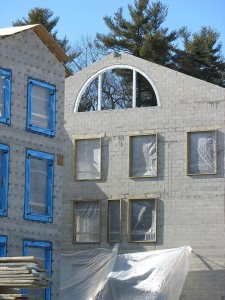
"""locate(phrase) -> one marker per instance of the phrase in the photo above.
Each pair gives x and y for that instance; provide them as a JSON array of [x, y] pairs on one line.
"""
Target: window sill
[[40, 218], [44, 131], [5, 120]]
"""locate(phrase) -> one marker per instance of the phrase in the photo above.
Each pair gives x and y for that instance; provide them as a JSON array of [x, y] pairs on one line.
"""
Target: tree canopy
[[144, 36], [45, 16], [201, 56]]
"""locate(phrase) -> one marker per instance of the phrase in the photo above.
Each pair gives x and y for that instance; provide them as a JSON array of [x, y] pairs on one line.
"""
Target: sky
[[85, 17]]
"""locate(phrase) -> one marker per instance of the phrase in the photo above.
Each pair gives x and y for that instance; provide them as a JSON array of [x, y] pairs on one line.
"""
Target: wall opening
[[117, 87]]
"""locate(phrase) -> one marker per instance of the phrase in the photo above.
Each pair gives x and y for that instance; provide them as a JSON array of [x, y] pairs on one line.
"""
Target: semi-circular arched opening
[[117, 87]]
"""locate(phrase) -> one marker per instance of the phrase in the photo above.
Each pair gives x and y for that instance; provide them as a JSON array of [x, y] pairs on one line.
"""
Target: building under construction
[[133, 154]]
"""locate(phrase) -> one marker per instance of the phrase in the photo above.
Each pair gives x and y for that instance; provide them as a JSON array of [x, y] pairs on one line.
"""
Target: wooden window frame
[[75, 157], [108, 233], [187, 151], [129, 219], [74, 221], [130, 155]]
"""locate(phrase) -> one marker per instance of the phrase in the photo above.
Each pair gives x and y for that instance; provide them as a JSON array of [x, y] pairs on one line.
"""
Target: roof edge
[[43, 34]]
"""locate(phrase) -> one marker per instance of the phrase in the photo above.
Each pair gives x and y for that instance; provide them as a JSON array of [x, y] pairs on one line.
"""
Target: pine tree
[[45, 16], [142, 35], [201, 56]]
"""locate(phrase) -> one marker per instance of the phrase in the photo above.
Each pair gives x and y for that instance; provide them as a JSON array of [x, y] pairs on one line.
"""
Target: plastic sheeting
[[143, 220], [38, 186], [143, 156], [40, 106], [88, 159], [2, 89], [102, 274], [87, 222], [114, 220], [84, 274], [202, 152]]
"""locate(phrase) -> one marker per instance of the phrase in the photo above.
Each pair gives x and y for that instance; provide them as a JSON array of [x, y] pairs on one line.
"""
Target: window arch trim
[[100, 72]]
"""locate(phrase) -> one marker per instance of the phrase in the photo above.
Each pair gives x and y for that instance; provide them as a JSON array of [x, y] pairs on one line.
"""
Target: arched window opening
[[145, 95], [89, 99], [116, 88]]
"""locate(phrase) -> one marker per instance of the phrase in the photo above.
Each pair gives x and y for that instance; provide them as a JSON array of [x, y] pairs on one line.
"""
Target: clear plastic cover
[[114, 221], [202, 152], [38, 186], [102, 274], [142, 220], [84, 274], [87, 222], [88, 159], [40, 106], [2, 89], [143, 156]]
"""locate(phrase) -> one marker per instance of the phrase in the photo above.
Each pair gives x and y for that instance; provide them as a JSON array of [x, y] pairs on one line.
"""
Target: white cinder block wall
[[26, 56], [190, 208]]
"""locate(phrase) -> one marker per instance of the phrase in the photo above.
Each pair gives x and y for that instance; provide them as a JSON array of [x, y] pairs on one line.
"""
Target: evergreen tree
[[142, 35], [45, 16], [201, 56]]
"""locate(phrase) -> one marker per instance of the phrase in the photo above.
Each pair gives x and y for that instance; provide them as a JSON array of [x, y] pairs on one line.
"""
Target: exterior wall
[[190, 208], [26, 56]]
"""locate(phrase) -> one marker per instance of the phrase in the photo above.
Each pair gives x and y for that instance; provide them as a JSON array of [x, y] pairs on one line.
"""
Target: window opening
[[3, 245], [87, 222], [117, 88], [5, 96], [202, 153], [43, 252], [89, 99], [143, 156], [88, 159], [145, 95], [41, 107], [142, 227], [39, 185], [4, 177], [114, 220]]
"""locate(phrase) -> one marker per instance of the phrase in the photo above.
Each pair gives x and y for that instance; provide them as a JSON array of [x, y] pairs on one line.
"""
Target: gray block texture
[[190, 209], [27, 56]]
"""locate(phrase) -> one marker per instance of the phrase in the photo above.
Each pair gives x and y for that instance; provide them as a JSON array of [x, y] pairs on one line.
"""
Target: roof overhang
[[46, 38]]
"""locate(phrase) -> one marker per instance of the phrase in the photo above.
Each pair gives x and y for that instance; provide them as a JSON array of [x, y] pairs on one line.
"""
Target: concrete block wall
[[26, 56], [190, 208]]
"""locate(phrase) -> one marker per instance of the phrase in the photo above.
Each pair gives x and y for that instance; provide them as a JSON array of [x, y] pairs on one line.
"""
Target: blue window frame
[[42, 251], [4, 178], [39, 186], [3, 245], [41, 100], [5, 95]]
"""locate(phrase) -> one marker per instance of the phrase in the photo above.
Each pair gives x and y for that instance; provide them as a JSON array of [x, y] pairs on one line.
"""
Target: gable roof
[[44, 35]]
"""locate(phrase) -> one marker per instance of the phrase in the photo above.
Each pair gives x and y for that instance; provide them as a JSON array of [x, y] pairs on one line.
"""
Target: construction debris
[[20, 272], [15, 297]]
